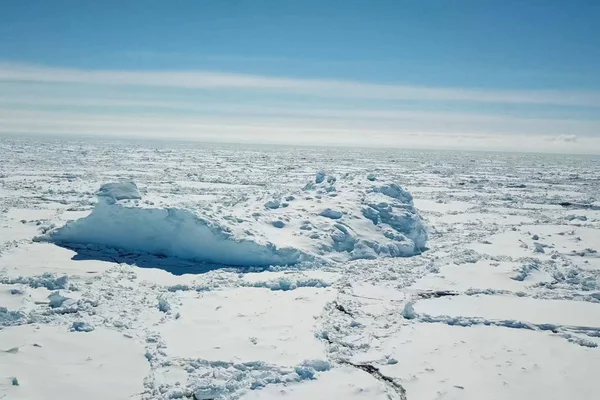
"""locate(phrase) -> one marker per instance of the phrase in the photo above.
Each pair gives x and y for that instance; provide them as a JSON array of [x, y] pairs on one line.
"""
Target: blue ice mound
[[169, 232], [113, 192]]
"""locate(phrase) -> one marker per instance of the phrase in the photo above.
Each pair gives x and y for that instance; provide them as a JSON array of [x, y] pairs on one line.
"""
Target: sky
[[456, 74]]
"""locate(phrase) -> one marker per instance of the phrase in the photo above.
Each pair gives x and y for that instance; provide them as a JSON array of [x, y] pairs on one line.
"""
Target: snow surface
[[506, 364], [257, 272], [244, 325], [50, 362]]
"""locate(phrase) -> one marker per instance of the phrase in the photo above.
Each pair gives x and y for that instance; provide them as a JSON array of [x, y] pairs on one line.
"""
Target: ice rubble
[[329, 220], [119, 191]]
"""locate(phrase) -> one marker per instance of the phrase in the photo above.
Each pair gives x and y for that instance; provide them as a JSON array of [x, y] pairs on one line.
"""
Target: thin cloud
[[233, 108], [330, 88], [565, 138]]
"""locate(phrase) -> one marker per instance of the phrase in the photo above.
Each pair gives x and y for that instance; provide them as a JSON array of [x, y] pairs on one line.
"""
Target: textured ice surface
[[169, 232], [248, 324], [507, 363], [480, 314], [54, 363], [364, 221], [116, 191]]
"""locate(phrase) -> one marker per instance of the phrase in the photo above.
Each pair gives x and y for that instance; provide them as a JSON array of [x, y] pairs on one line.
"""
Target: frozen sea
[[159, 270]]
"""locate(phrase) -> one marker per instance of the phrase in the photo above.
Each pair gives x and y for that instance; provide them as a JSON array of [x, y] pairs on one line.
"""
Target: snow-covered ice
[[115, 191], [362, 221], [168, 232], [502, 307], [248, 324], [496, 363], [341, 383], [51, 362], [157, 270]]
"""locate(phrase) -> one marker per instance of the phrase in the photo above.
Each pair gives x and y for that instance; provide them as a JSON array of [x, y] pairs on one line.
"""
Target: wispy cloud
[[205, 79], [401, 121], [565, 138], [270, 110]]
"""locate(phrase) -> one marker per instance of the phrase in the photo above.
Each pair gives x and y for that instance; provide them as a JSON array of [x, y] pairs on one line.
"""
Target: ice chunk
[[539, 248], [119, 191], [81, 326], [320, 177], [329, 213], [409, 310], [163, 305], [178, 287], [371, 214], [285, 284], [8, 318], [402, 220], [272, 204], [210, 393], [396, 192], [56, 299], [317, 365], [47, 280], [342, 238], [278, 224]]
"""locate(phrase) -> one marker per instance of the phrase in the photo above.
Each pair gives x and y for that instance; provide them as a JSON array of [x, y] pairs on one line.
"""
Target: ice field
[[157, 270]]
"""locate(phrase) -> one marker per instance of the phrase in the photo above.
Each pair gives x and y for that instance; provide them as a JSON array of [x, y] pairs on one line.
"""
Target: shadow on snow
[[173, 265]]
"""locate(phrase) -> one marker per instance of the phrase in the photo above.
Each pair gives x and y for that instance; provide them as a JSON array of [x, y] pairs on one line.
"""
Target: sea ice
[[479, 314], [116, 191], [377, 221]]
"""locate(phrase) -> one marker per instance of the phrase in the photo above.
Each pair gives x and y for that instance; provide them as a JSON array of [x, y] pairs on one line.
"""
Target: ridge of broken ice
[[116, 191], [329, 220]]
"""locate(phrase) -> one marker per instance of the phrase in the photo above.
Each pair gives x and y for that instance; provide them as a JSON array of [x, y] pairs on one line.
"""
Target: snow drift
[[329, 220]]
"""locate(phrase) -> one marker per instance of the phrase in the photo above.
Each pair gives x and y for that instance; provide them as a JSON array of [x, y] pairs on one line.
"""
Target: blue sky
[[454, 74]]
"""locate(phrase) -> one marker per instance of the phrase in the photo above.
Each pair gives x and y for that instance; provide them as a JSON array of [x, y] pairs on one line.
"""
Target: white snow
[[491, 362], [45, 258], [248, 324], [484, 274], [53, 363]]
